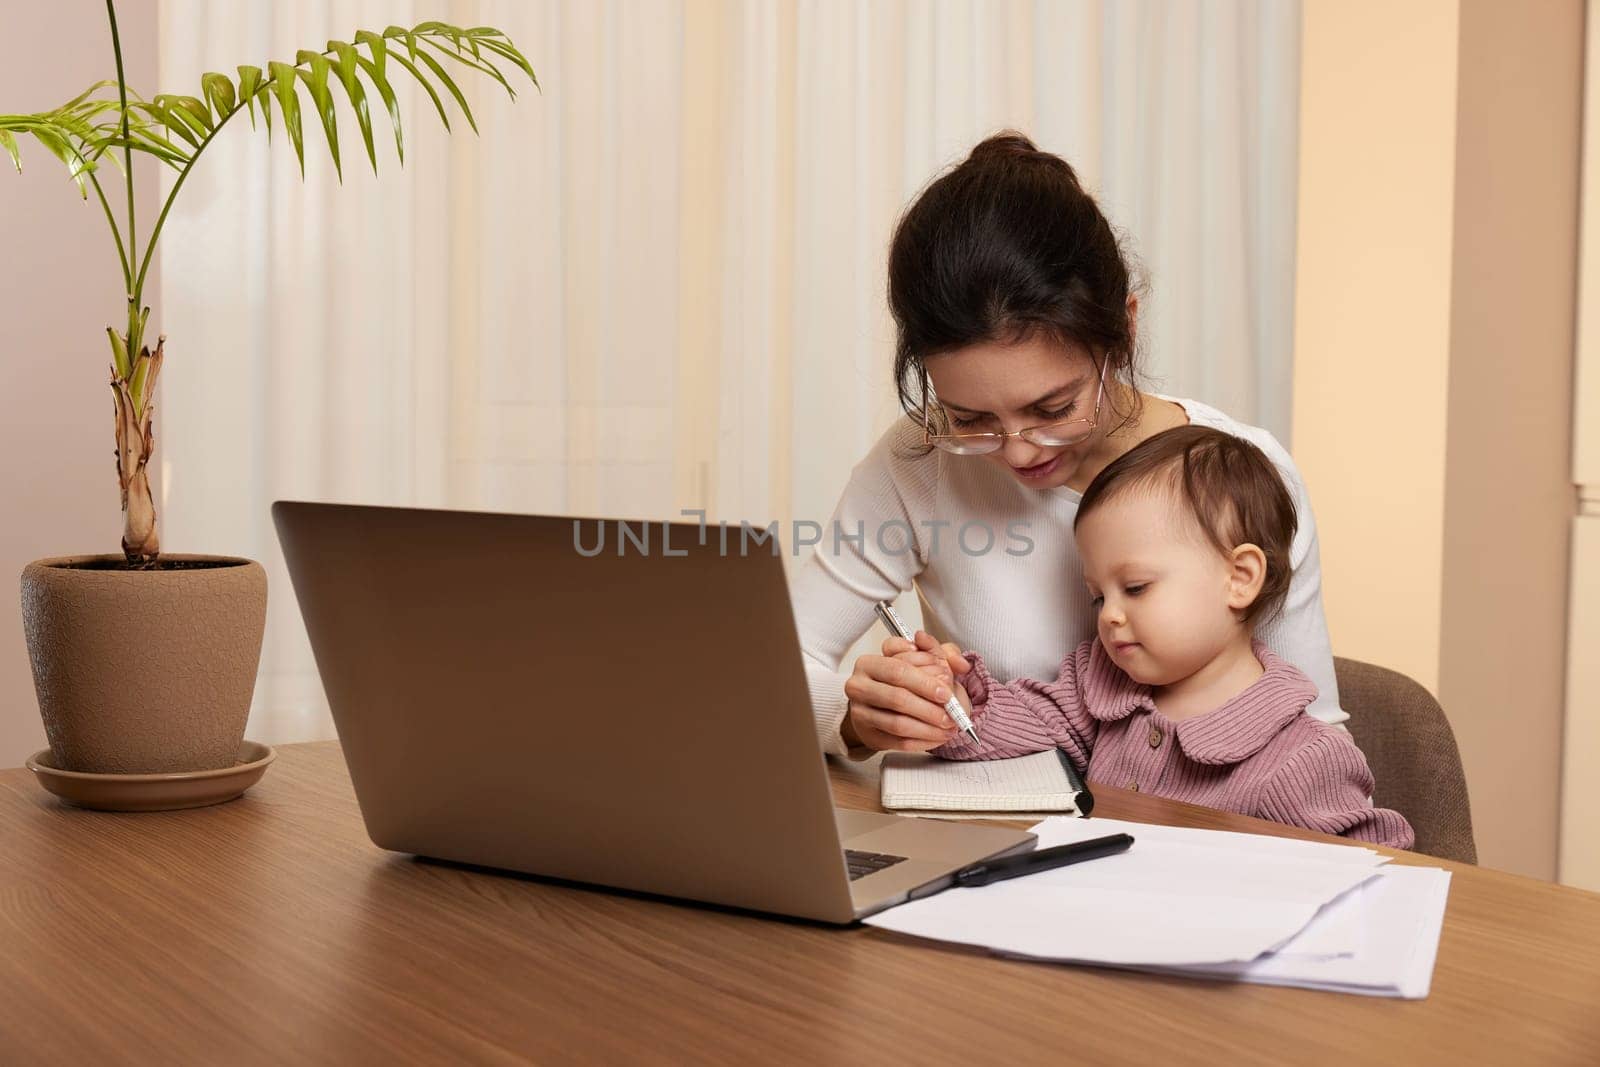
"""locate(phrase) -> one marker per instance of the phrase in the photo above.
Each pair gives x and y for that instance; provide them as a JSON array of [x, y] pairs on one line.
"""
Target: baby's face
[[1160, 587]]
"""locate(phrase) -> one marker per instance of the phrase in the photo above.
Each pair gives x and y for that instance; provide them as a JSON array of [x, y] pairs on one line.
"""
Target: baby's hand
[[951, 652], [927, 650], [944, 662]]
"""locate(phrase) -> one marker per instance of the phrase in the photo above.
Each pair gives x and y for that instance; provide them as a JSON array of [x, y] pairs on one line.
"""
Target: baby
[[1185, 545]]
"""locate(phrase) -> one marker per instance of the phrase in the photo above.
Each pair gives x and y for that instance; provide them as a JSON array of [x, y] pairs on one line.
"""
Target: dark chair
[[1408, 743]]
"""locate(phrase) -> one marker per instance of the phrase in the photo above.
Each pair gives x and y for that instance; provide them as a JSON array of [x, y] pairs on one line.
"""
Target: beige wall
[[1580, 778], [1508, 479], [1433, 361], [60, 286], [1372, 315], [1580, 775]]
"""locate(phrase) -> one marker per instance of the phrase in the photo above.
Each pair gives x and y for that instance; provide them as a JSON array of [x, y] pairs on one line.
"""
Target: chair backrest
[[1408, 743]]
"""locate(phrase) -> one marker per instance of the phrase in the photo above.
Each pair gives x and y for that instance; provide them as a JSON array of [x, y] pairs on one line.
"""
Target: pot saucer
[[154, 792]]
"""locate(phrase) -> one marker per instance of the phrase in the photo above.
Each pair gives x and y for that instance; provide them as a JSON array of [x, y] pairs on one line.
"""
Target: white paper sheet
[[1178, 897], [1402, 912], [1209, 904]]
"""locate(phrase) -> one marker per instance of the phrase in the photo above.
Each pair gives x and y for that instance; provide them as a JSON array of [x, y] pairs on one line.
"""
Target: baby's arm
[[1325, 787], [1021, 717]]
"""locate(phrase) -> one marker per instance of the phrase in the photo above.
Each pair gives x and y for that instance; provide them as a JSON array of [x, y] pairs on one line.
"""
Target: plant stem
[[134, 290], [183, 176], [127, 151], [122, 254]]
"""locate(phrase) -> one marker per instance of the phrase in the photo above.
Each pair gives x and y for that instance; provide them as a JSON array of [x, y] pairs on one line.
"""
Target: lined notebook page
[[1026, 783]]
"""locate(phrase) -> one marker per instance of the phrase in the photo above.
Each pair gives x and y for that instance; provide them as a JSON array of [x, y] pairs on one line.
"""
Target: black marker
[[1044, 859]]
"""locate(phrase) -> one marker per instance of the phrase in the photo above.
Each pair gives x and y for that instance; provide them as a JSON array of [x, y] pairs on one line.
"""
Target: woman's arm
[[871, 550]]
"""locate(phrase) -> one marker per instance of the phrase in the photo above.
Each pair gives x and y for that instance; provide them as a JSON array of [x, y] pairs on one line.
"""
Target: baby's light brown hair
[[1228, 486]]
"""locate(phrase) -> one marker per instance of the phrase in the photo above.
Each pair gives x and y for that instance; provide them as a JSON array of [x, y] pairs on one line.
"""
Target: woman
[[1015, 364]]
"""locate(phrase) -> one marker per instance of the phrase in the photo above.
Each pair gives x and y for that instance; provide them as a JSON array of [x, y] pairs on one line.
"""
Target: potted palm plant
[[145, 663]]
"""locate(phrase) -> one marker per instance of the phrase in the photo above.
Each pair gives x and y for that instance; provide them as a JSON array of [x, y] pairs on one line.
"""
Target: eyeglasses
[[1048, 435]]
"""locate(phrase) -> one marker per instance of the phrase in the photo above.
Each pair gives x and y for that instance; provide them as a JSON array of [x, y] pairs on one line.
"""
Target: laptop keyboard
[[861, 864]]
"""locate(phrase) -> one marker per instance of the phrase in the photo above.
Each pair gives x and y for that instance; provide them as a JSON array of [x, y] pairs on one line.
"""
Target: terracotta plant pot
[[144, 672]]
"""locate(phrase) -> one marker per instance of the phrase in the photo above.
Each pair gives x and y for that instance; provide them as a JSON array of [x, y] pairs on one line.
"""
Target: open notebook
[[1042, 782]]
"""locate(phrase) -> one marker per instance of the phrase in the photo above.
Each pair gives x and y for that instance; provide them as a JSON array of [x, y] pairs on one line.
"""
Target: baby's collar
[[1233, 732]]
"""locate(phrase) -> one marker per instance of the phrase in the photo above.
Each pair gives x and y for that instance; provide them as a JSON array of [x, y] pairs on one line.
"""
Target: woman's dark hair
[[1004, 247], [1228, 485]]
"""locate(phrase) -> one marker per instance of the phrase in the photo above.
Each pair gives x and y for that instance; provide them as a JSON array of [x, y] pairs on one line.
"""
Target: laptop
[[622, 704]]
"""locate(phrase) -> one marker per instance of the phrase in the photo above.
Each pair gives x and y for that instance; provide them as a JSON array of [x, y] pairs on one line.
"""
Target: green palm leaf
[[376, 71], [175, 129], [475, 62], [438, 105], [61, 148], [348, 68], [145, 139], [68, 136], [316, 80], [496, 42], [218, 91], [283, 79], [158, 113], [386, 93], [249, 83], [451, 87]]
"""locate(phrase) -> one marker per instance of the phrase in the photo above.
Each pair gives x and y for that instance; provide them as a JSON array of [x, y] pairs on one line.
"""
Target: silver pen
[[891, 620]]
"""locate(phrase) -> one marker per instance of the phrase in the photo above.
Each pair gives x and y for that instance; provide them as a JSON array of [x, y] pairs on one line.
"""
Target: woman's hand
[[897, 698]]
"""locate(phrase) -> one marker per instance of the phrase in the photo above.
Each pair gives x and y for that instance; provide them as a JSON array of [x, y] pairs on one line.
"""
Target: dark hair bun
[[1005, 246], [1010, 147], [1006, 142]]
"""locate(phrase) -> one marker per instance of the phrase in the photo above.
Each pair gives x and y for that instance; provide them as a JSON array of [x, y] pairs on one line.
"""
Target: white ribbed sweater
[[1022, 607]]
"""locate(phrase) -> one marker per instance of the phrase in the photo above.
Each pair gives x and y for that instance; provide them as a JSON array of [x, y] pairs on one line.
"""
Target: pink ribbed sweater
[[1259, 754]]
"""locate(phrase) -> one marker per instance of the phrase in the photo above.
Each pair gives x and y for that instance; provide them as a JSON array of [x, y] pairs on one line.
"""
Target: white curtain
[[659, 283]]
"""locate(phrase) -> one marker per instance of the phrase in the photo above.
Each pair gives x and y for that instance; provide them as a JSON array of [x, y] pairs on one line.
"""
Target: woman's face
[[995, 388]]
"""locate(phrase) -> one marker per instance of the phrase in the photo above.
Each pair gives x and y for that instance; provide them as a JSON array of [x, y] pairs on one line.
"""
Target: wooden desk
[[271, 930]]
